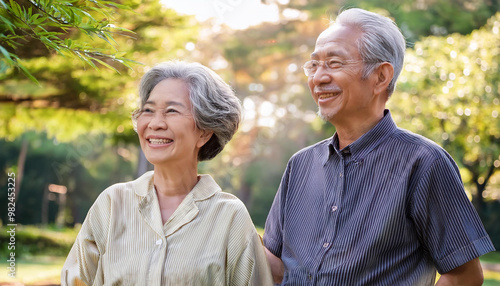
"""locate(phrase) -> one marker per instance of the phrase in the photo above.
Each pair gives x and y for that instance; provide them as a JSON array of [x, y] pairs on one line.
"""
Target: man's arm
[[469, 274], [277, 267]]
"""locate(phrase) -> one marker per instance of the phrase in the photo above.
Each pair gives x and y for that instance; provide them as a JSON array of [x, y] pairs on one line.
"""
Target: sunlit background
[[70, 136]]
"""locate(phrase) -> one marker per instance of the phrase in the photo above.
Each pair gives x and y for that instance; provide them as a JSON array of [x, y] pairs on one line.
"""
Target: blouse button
[[158, 242]]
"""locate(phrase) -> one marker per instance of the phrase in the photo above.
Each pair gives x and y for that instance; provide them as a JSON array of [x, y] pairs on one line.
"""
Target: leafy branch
[[53, 23]]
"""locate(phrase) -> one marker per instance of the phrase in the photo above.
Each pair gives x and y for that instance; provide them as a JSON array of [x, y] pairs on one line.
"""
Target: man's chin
[[324, 116]]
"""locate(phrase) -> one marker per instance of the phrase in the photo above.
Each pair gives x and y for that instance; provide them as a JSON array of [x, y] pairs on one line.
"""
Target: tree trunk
[[245, 193], [479, 200], [45, 207], [143, 166], [20, 166]]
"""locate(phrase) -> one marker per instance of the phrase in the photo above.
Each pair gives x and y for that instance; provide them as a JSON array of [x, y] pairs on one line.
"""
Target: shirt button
[[334, 208], [325, 245], [341, 175], [158, 242]]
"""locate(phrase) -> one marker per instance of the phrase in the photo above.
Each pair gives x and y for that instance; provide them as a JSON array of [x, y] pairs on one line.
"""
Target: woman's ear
[[205, 135], [384, 73]]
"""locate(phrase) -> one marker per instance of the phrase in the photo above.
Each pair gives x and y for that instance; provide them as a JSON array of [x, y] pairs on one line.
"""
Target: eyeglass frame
[[335, 60]]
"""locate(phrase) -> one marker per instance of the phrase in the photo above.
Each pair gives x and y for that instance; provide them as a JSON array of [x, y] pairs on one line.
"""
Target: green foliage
[[416, 19], [86, 167], [53, 24], [31, 240], [490, 216], [492, 257], [449, 92], [72, 99]]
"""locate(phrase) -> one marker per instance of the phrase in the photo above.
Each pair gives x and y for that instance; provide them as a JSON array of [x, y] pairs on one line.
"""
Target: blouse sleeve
[[83, 262], [80, 267], [247, 262]]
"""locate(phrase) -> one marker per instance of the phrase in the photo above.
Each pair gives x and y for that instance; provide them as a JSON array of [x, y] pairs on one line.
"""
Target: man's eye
[[314, 64], [332, 63]]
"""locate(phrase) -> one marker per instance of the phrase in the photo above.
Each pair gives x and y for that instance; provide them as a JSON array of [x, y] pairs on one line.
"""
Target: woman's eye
[[170, 110], [147, 110]]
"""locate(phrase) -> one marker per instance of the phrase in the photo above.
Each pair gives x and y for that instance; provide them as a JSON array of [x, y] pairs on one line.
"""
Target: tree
[[28, 26], [73, 102], [449, 92], [71, 99]]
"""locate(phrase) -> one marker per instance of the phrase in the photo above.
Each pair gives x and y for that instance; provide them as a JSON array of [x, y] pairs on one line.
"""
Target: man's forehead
[[336, 40], [338, 31]]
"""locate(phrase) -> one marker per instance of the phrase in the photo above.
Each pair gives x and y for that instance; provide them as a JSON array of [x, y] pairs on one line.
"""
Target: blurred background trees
[[76, 122]]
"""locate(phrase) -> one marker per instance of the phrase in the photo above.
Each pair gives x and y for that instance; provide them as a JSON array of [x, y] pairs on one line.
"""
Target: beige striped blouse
[[209, 240]]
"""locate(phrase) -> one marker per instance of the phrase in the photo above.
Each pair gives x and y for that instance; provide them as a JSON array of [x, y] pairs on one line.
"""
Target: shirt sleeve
[[80, 266], [83, 262], [446, 221], [273, 234], [246, 258]]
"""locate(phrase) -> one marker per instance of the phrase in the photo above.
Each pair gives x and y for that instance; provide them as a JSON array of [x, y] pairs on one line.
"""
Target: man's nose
[[321, 75]]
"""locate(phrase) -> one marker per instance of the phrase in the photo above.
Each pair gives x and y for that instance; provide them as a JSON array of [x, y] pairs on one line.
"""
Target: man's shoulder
[[318, 148], [415, 142]]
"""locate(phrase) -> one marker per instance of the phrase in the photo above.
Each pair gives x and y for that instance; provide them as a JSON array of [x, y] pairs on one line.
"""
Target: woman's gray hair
[[381, 41], [215, 107]]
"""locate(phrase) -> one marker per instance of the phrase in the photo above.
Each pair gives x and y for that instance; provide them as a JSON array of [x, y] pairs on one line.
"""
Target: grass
[[40, 254], [36, 270], [492, 257], [32, 241]]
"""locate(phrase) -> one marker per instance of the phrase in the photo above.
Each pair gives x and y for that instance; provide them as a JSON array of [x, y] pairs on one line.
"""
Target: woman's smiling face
[[166, 127]]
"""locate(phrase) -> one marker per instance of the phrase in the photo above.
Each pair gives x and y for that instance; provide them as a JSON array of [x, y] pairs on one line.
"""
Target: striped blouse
[[389, 209], [208, 240]]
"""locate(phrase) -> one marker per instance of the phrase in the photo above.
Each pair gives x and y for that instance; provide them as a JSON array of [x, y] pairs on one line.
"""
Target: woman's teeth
[[159, 141]]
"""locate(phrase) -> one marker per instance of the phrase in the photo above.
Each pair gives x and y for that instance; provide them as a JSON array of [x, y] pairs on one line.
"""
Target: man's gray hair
[[381, 41], [215, 107]]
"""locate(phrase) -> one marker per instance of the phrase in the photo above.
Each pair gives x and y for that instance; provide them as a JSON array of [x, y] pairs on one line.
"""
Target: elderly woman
[[172, 226]]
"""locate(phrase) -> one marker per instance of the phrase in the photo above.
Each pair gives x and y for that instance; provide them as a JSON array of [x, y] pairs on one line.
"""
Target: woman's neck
[[175, 181], [172, 186]]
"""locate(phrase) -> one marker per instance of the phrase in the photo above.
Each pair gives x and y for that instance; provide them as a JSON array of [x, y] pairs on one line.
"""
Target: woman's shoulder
[[125, 190], [224, 198]]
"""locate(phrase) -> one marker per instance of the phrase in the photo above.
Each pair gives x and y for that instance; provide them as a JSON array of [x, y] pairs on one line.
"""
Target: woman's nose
[[158, 122]]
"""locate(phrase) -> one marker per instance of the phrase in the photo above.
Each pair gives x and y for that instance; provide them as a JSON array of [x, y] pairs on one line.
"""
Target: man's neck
[[351, 130]]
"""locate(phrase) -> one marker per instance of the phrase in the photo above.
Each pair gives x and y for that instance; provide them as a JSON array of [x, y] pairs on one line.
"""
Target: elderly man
[[374, 204]]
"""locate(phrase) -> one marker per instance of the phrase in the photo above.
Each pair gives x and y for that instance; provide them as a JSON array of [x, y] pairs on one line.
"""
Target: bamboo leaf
[[27, 73]]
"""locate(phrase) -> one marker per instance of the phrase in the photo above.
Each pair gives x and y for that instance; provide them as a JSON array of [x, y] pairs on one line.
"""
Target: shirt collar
[[367, 142], [204, 189]]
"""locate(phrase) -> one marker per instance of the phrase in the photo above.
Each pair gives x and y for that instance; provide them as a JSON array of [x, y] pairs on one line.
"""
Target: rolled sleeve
[[447, 223]]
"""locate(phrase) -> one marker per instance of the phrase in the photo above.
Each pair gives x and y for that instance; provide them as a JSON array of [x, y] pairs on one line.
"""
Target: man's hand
[[277, 267], [469, 274]]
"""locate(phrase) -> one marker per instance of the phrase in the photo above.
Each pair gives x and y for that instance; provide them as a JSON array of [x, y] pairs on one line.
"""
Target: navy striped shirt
[[389, 209]]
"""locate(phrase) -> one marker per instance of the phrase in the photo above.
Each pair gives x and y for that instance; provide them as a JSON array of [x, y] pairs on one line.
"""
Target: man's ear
[[384, 74], [205, 135]]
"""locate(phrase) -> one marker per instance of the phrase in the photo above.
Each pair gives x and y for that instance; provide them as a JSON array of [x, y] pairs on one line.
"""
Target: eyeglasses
[[312, 66]]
